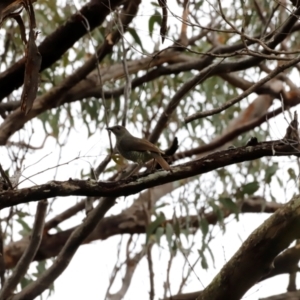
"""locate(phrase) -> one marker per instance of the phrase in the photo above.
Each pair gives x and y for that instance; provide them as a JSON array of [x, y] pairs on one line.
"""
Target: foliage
[[104, 63]]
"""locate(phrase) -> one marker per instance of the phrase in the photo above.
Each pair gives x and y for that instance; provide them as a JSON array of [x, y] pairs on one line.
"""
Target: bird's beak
[[108, 128]]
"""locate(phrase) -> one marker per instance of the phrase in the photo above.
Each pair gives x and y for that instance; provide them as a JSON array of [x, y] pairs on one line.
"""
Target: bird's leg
[[144, 172], [130, 170], [153, 165]]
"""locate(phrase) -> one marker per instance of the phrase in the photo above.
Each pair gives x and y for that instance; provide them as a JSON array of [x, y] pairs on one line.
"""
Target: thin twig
[[117, 267], [252, 89], [101, 167], [2, 262], [127, 87], [151, 272], [259, 11], [65, 215], [130, 267], [270, 18], [50, 168], [86, 24], [189, 272], [228, 136], [235, 30], [167, 285], [27, 145], [174, 102], [64, 257]]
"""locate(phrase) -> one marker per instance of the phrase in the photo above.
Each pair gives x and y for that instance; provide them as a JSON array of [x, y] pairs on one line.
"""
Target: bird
[[136, 149]]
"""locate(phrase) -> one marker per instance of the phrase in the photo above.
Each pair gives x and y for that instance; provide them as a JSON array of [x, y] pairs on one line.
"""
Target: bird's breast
[[137, 156]]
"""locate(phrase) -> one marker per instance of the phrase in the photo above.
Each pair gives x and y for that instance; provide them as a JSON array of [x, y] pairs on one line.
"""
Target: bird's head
[[118, 130]]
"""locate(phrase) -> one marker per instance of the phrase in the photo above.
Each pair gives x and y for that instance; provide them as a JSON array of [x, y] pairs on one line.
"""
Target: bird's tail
[[160, 160]]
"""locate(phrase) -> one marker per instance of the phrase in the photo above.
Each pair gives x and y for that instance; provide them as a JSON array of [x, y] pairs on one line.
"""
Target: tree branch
[[247, 92], [136, 184], [63, 259], [284, 296], [52, 98], [130, 221], [255, 257], [228, 136], [57, 43], [29, 254]]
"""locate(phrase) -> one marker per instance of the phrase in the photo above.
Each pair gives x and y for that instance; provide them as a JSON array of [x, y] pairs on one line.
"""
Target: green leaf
[[156, 18], [162, 205], [176, 227], [204, 263], [270, 171], [211, 255], [198, 4], [158, 234], [135, 37], [154, 225], [217, 210], [229, 204], [154, 4], [203, 224], [25, 281], [250, 188], [292, 173], [41, 267], [279, 181], [22, 214], [26, 228], [54, 122], [169, 234]]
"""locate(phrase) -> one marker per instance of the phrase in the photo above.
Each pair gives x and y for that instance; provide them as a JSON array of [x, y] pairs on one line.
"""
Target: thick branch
[[285, 263], [16, 120], [285, 296], [228, 136], [35, 288], [130, 221], [255, 257], [135, 185], [57, 43], [52, 98]]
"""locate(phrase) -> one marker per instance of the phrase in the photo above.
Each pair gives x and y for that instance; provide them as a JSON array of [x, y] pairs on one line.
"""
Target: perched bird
[[135, 149]]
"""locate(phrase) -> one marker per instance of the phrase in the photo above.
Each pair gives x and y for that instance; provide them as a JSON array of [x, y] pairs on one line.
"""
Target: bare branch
[[127, 87], [151, 273], [130, 221], [131, 264], [250, 90], [228, 136], [53, 96], [257, 254], [131, 186], [63, 259], [174, 102], [285, 263], [2, 262], [68, 213], [61, 40], [284, 296], [164, 25], [29, 254]]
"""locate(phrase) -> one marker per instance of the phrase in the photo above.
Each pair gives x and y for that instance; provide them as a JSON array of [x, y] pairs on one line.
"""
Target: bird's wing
[[136, 144]]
